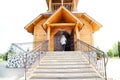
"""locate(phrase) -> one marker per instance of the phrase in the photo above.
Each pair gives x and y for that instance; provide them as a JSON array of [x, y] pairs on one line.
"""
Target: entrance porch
[[54, 33]]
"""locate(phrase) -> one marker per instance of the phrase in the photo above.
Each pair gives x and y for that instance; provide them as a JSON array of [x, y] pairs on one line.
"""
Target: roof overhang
[[95, 25], [62, 14], [30, 27]]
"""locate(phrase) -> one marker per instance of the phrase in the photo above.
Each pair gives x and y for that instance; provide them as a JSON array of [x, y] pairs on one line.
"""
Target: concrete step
[[65, 70], [64, 66], [64, 75], [83, 76], [63, 54], [68, 79]]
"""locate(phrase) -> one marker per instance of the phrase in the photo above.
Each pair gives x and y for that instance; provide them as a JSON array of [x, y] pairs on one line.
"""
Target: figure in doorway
[[63, 41]]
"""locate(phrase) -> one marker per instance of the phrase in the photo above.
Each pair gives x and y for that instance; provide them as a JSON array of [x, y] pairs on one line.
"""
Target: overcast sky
[[16, 14]]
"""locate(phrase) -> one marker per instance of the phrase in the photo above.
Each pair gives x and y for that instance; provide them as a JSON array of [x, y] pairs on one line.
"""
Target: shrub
[[119, 49], [110, 53], [5, 56]]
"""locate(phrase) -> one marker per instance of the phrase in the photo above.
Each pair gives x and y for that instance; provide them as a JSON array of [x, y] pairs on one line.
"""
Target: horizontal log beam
[[62, 24]]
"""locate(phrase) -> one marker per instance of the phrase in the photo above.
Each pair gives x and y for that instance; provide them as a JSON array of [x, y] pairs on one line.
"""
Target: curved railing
[[96, 57]]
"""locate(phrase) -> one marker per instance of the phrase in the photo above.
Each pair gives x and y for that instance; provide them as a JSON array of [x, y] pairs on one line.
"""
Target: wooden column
[[75, 6], [50, 5], [48, 36], [62, 2], [77, 31], [77, 36]]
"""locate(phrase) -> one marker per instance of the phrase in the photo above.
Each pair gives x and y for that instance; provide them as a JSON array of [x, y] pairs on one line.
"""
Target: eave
[[95, 25]]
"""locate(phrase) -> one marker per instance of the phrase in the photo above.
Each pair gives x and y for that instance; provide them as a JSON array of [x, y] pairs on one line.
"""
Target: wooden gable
[[62, 15]]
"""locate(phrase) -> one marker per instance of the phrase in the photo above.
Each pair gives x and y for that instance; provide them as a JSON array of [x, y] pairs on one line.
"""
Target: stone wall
[[18, 60]]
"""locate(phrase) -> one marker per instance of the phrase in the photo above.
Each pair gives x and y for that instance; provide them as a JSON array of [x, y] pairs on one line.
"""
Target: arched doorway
[[69, 44]]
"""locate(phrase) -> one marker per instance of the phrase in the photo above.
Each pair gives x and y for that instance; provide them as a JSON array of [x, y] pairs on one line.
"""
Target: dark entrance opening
[[69, 44]]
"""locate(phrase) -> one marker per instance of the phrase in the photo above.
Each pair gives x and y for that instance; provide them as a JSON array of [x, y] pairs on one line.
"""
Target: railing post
[[88, 54], [105, 66], [25, 67]]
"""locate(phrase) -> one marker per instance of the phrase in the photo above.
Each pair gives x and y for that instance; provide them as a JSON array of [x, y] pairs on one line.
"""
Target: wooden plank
[[62, 24]]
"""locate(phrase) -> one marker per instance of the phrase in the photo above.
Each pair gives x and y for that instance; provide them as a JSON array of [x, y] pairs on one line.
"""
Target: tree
[[119, 49], [110, 53], [10, 51], [115, 49]]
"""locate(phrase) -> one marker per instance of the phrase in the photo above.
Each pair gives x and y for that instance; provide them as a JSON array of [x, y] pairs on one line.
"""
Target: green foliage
[[119, 49], [10, 51], [110, 53], [1, 57], [114, 51], [5, 56], [99, 55]]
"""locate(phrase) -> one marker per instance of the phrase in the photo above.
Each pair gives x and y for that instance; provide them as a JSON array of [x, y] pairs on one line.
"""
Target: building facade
[[62, 18]]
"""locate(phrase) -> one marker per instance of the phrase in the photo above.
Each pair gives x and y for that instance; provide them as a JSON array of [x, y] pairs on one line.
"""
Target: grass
[[1, 60], [114, 58]]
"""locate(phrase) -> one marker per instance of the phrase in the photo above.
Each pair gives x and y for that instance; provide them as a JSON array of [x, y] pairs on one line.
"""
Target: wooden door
[[57, 44]]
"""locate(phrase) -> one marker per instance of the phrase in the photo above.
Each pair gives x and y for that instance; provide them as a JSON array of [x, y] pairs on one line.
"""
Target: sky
[[16, 14]]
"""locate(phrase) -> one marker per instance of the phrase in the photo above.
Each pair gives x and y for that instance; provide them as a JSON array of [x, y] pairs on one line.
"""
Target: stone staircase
[[64, 66]]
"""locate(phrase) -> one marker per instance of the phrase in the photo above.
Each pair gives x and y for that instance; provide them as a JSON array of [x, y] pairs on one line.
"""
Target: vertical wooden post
[[50, 8], [77, 34], [77, 31], [48, 36], [75, 6], [62, 2]]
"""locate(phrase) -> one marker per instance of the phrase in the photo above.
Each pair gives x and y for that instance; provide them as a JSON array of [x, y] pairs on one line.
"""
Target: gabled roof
[[62, 14], [30, 27], [95, 25]]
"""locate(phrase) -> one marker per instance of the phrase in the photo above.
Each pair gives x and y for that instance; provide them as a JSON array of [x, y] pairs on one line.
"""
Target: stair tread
[[64, 66], [66, 77]]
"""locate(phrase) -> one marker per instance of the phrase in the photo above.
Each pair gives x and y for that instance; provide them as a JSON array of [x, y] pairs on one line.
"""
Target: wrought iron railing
[[96, 57], [28, 55], [31, 53], [33, 58]]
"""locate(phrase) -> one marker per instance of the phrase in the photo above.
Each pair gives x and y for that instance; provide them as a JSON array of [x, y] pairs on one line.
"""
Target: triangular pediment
[[62, 15]]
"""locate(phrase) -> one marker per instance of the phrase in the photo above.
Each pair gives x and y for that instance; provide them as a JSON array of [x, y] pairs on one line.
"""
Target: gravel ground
[[113, 71], [10, 73]]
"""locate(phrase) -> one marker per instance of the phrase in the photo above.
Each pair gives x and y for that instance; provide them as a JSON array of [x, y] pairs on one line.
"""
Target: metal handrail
[[88, 51], [41, 48], [95, 57], [30, 58]]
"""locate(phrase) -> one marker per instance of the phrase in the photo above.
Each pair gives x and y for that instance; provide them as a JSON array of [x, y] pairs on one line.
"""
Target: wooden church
[[62, 18]]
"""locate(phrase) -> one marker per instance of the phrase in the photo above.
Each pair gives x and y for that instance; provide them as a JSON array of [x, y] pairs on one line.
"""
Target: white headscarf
[[63, 40]]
